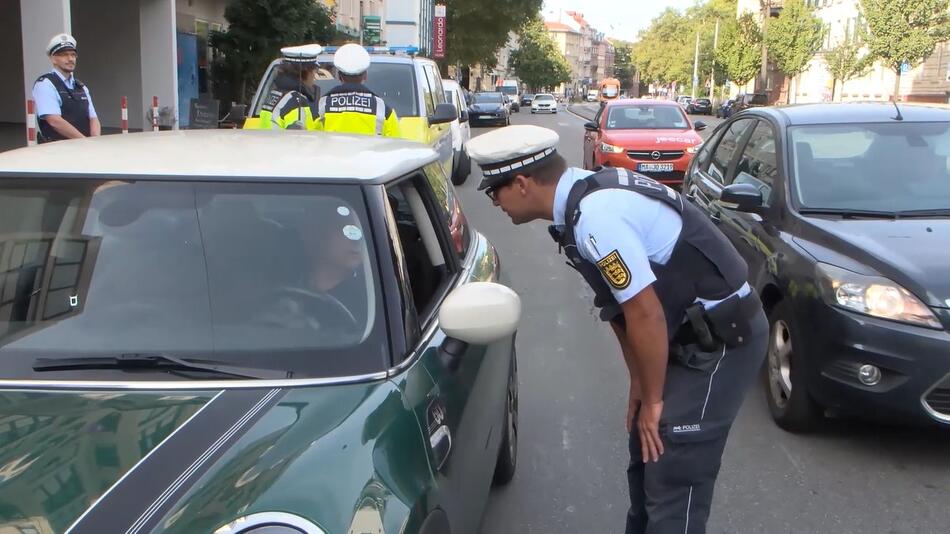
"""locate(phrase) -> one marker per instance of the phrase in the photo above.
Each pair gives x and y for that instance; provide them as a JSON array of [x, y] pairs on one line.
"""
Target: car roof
[[640, 101], [237, 154], [850, 113]]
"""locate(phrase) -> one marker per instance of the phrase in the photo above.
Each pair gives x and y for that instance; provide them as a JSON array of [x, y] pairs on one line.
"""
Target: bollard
[[30, 123], [125, 115], [154, 113]]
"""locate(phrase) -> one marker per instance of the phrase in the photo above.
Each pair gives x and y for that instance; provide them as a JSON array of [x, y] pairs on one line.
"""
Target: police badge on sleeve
[[615, 270]]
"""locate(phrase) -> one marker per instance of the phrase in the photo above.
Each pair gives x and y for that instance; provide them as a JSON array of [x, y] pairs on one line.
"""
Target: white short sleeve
[[46, 98], [92, 109]]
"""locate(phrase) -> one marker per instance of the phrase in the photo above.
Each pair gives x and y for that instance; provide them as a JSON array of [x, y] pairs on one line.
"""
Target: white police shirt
[[48, 101]]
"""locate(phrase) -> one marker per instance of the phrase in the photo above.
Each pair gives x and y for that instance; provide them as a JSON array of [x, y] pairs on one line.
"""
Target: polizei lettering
[[358, 102], [686, 428]]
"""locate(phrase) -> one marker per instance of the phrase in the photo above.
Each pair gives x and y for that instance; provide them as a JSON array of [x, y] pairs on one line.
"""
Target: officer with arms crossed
[[351, 107], [691, 330], [292, 102], [63, 103]]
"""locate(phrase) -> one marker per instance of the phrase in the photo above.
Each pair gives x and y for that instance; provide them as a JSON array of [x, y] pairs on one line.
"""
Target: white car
[[544, 103], [461, 132]]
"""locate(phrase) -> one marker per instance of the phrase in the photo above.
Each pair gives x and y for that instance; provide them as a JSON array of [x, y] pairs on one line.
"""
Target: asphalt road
[[851, 477]]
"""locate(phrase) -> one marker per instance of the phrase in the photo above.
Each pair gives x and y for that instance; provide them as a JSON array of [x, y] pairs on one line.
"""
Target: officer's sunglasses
[[492, 192]]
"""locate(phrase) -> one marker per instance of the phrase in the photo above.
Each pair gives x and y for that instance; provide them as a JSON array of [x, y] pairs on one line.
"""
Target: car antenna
[[899, 117]]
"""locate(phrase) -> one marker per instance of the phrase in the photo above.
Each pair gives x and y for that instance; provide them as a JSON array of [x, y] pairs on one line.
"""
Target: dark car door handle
[[715, 214]]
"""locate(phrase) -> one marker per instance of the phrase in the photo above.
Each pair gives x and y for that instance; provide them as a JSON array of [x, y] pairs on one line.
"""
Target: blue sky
[[621, 19]]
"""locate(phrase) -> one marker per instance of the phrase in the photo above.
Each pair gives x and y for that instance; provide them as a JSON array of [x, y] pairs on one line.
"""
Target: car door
[[456, 390], [715, 165], [591, 138], [440, 134]]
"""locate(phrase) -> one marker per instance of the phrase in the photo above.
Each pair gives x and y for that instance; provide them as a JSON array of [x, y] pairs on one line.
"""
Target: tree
[[477, 29], [537, 61], [845, 62], [624, 69], [257, 29], [794, 38], [739, 52], [664, 52], [905, 31]]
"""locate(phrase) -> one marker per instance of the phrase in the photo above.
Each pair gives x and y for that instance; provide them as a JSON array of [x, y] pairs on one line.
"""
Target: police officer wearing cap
[[292, 102], [63, 103], [674, 290], [351, 107]]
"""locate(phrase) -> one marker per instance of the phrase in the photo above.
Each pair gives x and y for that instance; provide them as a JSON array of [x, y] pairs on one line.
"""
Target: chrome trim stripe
[[943, 418], [182, 478], [141, 461]]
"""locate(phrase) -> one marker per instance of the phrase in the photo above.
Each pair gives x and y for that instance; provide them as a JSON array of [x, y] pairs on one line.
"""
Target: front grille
[[939, 398], [665, 177], [647, 155]]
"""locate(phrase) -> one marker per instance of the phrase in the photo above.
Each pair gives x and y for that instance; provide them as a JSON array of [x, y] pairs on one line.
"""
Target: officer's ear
[[522, 183]]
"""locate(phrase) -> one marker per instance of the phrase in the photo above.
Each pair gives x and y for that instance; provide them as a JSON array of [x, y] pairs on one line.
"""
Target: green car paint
[[62, 450]]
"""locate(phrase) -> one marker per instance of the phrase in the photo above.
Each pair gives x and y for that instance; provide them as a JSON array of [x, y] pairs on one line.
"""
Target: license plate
[[486, 116], [655, 167]]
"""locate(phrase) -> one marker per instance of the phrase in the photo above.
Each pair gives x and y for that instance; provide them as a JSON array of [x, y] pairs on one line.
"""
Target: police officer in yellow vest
[[292, 102], [351, 107]]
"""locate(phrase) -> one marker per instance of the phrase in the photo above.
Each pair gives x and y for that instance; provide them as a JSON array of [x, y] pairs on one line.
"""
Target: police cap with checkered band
[[504, 153]]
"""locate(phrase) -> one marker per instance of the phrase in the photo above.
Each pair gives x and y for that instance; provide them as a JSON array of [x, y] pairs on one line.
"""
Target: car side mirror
[[443, 113], [591, 126], [480, 313], [744, 196], [699, 126], [463, 116]]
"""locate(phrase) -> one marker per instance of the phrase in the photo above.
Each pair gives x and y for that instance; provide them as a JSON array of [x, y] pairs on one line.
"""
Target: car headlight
[[694, 149], [610, 149], [874, 296]]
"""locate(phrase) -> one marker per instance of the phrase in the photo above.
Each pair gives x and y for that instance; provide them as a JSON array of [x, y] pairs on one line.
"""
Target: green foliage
[[908, 31], [846, 62], [794, 37], [257, 30], [537, 61], [477, 29], [739, 52], [624, 69]]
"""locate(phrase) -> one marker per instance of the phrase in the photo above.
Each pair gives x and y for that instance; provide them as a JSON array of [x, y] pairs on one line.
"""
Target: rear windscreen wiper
[[153, 361]]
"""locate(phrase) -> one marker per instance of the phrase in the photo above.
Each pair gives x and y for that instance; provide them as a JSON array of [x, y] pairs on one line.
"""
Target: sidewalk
[[586, 110]]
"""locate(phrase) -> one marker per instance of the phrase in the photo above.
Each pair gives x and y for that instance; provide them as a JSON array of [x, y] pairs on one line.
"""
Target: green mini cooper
[[254, 332]]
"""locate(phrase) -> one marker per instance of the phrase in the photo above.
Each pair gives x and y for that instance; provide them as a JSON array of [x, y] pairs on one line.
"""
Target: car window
[[258, 275], [646, 117], [726, 149], [450, 208], [425, 257], [489, 98], [427, 91], [542, 98], [758, 163]]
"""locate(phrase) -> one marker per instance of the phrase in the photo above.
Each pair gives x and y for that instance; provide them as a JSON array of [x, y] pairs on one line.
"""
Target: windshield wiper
[[938, 212], [849, 213], [153, 361]]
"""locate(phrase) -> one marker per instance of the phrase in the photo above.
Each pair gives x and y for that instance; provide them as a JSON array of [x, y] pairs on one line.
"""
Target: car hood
[[654, 139], [911, 252], [323, 453], [479, 108]]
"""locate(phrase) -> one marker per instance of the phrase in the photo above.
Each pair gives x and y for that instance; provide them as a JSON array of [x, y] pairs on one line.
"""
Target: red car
[[652, 137]]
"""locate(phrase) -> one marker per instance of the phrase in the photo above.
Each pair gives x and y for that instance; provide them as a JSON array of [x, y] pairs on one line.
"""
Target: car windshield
[[542, 98], [488, 98], [892, 166], [646, 118], [611, 91], [702, 101], [393, 82], [509, 89], [268, 276]]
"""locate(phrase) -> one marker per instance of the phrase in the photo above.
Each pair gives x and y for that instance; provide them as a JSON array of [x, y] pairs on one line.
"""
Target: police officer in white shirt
[[63, 103], [691, 330]]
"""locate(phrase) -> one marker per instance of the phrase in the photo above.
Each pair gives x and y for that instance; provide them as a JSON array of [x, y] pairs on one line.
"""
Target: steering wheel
[[326, 311]]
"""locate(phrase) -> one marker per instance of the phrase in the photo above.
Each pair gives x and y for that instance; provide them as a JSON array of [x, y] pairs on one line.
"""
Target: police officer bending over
[[351, 107], [292, 103], [63, 103], [674, 289]]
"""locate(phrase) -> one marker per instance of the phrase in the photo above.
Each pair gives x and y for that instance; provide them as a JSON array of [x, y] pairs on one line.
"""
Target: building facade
[[352, 16], [570, 43], [409, 23], [602, 64]]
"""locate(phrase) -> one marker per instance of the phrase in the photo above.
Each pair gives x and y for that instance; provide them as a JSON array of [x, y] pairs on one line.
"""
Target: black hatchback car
[[700, 106], [843, 214]]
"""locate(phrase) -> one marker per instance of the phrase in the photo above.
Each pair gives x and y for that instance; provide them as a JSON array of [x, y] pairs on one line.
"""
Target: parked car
[[280, 331], [489, 108], [461, 132], [592, 95], [404, 81], [749, 100], [652, 137], [700, 106], [842, 212], [684, 101], [526, 99], [544, 103], [724, 111]]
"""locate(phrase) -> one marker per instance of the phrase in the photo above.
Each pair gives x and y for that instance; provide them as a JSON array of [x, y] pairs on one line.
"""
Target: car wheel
[[791, 406], [464, 169], [508, 452]]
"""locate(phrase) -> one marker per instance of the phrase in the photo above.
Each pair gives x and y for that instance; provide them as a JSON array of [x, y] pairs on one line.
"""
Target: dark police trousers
[[674, 494]]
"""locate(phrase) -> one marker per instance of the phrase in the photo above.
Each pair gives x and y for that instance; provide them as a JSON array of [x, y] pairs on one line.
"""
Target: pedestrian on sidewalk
[[63, 103], [674, 289]]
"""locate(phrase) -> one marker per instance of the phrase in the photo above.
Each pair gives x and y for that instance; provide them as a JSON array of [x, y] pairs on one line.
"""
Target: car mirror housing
[[591, 126], [745, 197], [480, 313], [443, 113], [699, 126]]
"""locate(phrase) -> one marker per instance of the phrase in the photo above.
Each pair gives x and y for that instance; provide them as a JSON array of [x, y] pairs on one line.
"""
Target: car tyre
[[508, 451], [464, 168], [784, 374]]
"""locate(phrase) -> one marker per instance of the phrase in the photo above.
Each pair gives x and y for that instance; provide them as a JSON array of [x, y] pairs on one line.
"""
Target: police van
[[410, 84]]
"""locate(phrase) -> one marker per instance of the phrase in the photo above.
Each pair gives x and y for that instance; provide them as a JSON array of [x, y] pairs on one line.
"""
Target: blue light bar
[[408, 50]]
